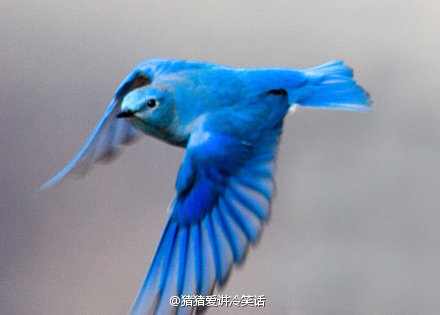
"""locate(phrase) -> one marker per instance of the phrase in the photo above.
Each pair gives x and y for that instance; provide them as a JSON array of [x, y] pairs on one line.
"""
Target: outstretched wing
[[224, 189], [107, 136]]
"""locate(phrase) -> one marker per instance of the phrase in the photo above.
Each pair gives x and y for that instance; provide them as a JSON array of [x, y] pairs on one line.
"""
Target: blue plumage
[[230, 121]]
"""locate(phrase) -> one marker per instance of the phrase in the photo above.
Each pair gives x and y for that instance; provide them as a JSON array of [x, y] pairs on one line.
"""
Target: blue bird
[[230, 121]]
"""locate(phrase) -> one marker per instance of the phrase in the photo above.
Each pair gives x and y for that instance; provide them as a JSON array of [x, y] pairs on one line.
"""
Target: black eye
[[151, 103]]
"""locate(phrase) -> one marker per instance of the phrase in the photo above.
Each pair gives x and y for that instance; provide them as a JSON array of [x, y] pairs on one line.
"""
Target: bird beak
[[125, 114]]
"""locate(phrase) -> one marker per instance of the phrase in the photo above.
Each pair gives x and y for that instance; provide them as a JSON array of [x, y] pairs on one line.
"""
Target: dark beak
[[126, 114]]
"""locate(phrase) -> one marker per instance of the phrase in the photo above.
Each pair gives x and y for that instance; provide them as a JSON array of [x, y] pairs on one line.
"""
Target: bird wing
[[106, 138], [224, 190]]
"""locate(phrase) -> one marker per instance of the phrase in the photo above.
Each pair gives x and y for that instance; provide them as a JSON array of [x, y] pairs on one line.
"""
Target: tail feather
[[331, 85]]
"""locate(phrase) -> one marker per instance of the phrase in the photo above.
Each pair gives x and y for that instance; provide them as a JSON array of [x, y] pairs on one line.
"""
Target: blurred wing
[[107, 136], [224, 189], [101, 145]]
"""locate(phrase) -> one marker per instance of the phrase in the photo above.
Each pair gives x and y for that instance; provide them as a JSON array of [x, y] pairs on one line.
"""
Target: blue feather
[[332, 86], [214, 244], [183, 258]]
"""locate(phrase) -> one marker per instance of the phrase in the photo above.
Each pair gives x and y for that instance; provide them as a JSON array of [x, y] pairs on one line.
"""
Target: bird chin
[[140, 124], [163, 134]]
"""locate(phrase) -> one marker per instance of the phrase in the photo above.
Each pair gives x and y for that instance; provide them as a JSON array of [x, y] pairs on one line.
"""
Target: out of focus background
[[355, 225]]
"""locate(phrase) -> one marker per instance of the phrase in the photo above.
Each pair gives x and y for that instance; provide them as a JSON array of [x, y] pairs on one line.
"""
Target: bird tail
[[331, 85]]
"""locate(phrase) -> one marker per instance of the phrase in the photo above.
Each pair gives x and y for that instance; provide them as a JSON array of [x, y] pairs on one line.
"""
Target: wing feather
[[224, 189], [107, 137]]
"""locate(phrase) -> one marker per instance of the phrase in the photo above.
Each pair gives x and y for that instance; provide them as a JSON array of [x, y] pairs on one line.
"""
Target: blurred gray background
[[355, 225]]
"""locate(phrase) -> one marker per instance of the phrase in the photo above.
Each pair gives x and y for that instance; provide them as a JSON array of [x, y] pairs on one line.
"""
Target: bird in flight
[[230, 121]]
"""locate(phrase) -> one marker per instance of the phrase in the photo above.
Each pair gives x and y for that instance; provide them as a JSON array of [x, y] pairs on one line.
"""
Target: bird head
[[147, 99], [149, 105]]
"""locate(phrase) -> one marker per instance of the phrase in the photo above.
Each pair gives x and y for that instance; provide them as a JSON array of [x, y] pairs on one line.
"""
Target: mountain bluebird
[[230, 121]]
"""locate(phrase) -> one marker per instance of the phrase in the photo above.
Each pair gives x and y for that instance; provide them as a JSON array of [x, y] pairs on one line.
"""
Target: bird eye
[[151, 103]]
